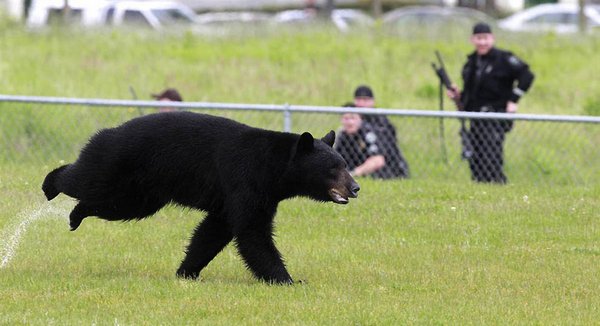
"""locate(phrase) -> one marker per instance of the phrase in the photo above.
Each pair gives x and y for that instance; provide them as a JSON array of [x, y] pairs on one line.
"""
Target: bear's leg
[[210, 237], [78, 213], [113, 211], [258, 250], [49, 185]]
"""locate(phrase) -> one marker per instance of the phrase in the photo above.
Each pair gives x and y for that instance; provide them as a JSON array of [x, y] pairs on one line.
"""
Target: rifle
[[465, 137]]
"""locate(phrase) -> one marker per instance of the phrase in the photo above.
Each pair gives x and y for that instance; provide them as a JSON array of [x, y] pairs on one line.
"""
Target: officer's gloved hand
[[453, 93]]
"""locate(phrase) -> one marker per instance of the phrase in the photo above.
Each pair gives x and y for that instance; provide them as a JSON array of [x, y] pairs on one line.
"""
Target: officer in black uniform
[[385, 132], [366, 152], [494, 81]]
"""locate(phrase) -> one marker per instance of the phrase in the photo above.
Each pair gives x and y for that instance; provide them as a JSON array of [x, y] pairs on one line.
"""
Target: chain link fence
[[44, 132]]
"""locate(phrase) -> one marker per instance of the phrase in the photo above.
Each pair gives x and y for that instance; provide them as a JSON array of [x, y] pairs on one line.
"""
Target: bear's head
[[319, 172]]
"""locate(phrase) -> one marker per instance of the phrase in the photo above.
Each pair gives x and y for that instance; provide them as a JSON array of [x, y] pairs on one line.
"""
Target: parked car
[[81, 12], [558, 18], [232, 23], [345, 19], [415, 18], [342, 19], [235, 17], [153, 14]]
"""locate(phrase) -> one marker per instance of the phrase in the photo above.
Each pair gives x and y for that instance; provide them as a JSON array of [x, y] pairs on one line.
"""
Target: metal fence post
[[287, 118]]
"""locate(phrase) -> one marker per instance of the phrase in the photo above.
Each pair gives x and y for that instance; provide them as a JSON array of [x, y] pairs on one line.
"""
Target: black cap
[[363, 91], [170, 94], [482, 28]]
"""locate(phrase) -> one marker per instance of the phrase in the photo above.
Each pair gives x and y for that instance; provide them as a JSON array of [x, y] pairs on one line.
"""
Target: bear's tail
[[49, 185]]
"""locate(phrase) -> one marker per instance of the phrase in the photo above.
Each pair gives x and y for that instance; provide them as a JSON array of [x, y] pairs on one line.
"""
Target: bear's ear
[[305, 143], [329, 139]]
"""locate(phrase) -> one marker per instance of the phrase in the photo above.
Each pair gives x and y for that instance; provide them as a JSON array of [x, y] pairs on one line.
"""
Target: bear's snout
[[340, 194], [354, 189]]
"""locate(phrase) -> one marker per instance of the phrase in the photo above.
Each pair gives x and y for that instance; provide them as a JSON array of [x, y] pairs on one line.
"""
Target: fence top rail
[[295, 108]]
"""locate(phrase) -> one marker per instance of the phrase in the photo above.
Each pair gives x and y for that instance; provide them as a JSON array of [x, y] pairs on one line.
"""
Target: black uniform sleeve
[[374, 143], [523, 76]]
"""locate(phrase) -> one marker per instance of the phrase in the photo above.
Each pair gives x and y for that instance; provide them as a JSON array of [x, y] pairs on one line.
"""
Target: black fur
[[236, 173]]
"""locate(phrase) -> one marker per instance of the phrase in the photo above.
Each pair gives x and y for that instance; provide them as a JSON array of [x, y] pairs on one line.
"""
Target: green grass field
[[422, 251], [404, 252]]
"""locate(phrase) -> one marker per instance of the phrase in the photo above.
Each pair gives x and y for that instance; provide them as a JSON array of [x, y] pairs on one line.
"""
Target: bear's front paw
[[183, 273]]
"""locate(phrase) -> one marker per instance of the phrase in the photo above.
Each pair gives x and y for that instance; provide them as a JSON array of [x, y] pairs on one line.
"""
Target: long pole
[[582, 21], [442, 133]]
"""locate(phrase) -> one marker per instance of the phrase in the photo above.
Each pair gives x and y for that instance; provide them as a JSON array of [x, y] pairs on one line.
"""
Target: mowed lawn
[[404, 252]]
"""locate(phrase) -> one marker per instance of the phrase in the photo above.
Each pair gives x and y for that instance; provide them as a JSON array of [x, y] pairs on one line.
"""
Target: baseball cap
[[482, 28], [169, 93], [363, 91]]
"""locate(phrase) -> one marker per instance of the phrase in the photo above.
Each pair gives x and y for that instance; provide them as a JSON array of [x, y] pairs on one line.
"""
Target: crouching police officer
[[366, 152], [494, 81]]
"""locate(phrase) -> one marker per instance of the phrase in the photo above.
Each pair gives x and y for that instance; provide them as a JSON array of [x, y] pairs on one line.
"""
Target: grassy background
[[314, 68], [417, 251], [300, 68]]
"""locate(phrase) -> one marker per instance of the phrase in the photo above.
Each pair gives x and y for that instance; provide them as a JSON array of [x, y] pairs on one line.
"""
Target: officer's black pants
[[487, 138]]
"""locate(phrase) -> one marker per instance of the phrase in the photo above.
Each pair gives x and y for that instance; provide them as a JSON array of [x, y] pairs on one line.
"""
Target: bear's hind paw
[[185, 274]]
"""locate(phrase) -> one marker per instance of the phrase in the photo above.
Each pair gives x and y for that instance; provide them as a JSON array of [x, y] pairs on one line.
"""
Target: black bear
[[236, 173]]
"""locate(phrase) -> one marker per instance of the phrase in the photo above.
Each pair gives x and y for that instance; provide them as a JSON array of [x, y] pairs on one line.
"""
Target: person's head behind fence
[[169, 94], [351, 123], [364, 97], [363, 91]]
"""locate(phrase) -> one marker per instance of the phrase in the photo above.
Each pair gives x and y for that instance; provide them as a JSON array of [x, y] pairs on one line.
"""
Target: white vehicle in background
[[342, 19], [153, 14], [231, 23], [433, 20], [233, 17], [346, 19], [80, 12], [558, 18]]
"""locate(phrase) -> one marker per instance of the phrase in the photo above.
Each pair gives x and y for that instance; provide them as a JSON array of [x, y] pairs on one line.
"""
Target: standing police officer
[[494, 81]]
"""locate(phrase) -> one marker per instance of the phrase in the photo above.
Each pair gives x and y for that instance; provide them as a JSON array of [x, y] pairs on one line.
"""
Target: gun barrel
[[439, 57]]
